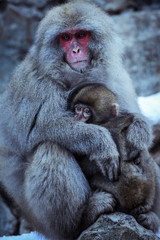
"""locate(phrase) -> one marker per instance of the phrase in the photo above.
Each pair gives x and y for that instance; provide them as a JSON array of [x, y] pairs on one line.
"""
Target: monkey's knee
[[56, 189]]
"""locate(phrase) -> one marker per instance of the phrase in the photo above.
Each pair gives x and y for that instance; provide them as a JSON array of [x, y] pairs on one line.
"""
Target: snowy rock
[[117, 226]]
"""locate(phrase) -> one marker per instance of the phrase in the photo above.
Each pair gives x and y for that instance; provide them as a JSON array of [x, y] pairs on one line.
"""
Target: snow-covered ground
[[29, 236], [150, 107]]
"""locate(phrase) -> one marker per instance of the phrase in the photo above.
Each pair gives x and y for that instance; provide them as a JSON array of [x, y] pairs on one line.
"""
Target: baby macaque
[[138, 187], [88, 101]]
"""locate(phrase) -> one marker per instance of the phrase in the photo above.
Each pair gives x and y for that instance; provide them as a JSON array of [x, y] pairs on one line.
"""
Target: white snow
[[26, 236], [150, 107]]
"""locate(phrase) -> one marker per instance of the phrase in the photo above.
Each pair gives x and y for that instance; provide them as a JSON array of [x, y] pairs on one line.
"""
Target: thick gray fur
[[38, 136]]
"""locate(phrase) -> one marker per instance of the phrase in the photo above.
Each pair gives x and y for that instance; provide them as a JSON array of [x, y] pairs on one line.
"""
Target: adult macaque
[[39, 137], [138, 187]]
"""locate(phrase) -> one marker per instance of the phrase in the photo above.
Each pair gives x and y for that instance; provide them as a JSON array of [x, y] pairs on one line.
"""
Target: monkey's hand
[[139, 136], [106, 155]]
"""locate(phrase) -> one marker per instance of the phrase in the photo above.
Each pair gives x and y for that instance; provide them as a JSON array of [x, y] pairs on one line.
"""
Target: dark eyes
[[66, 37], [87, 110], [78, 109], [81, 34], [78, 35]]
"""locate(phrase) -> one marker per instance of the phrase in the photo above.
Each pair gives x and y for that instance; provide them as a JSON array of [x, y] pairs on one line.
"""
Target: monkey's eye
[[87, 110], [87, 113], [81, 34], [78, 109], [65, 37]]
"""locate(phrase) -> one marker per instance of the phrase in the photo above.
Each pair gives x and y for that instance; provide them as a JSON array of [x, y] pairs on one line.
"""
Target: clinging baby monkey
[[138, 183]]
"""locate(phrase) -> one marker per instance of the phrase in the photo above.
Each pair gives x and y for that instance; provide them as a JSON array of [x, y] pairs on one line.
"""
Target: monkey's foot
[[149, 220], [141, 210], [98, 203]]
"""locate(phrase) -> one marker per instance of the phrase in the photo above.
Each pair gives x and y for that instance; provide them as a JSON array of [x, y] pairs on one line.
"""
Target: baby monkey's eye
[[87, 113], [87, 110], [78, 109]]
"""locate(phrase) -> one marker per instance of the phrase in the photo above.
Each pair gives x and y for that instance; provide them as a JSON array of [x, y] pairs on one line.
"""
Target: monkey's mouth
[[78, 65]]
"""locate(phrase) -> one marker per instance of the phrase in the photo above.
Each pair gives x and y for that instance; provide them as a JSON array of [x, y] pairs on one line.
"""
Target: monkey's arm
[[139, 135], [29, 123], [137, 132], [78, 137]]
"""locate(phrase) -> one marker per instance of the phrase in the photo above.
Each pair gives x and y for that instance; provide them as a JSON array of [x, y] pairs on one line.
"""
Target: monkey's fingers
[[149, 220], [109, 168], [98, 203], [101, 202], [101, 168], [112, 168]]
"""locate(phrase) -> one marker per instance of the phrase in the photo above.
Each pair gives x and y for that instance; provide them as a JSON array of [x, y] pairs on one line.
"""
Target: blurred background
[[137, 22]]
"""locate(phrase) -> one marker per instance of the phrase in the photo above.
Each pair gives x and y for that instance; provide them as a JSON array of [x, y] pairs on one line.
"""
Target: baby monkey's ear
[[115, 109]]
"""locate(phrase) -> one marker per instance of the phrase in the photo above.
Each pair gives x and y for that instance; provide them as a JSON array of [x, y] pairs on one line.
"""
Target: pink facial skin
[[75, 44]]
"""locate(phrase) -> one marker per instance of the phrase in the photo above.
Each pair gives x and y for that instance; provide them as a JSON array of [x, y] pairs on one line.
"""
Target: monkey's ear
[[115, 109]]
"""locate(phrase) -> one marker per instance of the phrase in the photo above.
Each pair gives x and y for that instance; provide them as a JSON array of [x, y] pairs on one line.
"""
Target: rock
[[19, 32], [114, 6], [140, 32], [8, 223], [117, 226], [118, 6]]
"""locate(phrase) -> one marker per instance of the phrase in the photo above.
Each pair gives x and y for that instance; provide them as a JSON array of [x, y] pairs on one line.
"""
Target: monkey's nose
[[76, 50]]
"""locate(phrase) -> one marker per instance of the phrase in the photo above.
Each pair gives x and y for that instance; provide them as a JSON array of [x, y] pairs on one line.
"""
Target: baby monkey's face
[[82, 112]]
